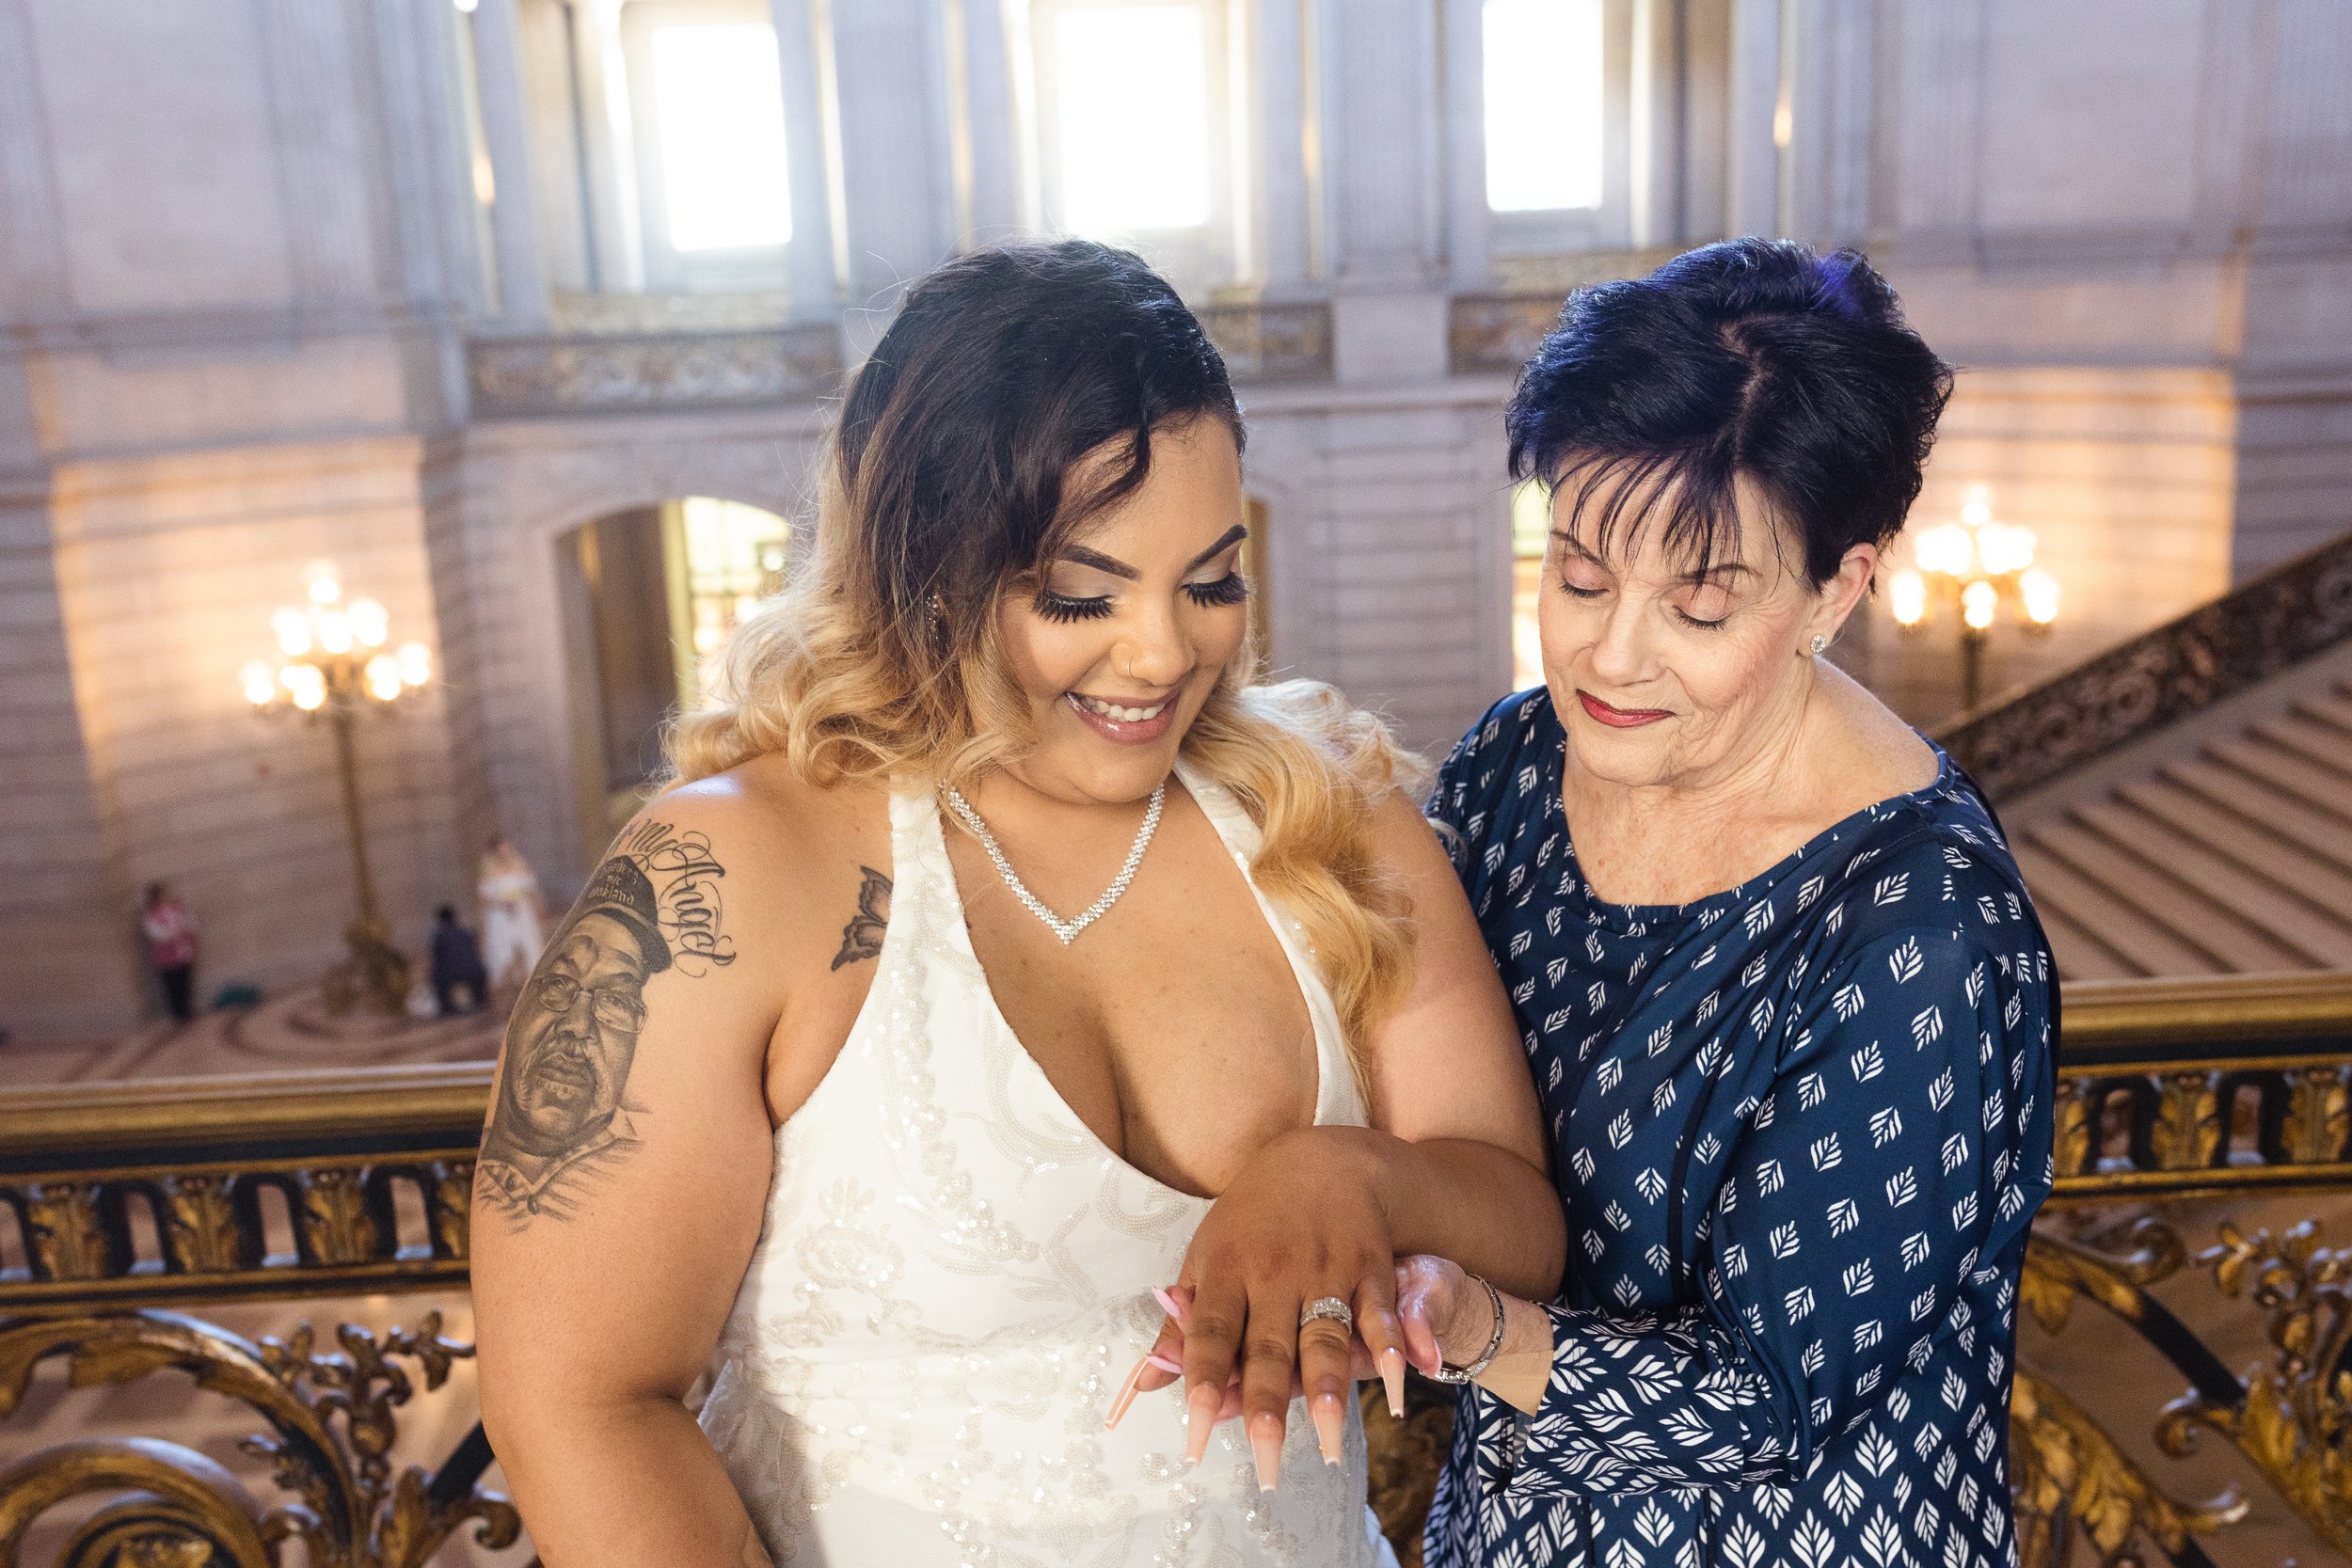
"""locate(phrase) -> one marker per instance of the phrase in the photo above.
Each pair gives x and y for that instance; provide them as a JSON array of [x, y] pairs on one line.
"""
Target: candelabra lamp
[[334, 668], [1974, 569]]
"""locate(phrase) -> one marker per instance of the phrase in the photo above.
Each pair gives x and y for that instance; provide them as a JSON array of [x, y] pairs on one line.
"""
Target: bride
[[997, 928]]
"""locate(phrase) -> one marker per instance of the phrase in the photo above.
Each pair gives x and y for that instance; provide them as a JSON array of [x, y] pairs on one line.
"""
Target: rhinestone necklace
[[1066, 930]]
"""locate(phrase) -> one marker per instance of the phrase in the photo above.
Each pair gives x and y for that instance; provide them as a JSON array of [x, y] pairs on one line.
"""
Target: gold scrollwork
[[2319, 1116], [2296, 1421], [199, 1228], [332, 1423], [2187, 1129], [2069, 1471], [67, 1242], [335, 1220]]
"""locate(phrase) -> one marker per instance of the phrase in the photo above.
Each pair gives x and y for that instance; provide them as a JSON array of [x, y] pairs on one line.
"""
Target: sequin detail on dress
[[953, 1273]]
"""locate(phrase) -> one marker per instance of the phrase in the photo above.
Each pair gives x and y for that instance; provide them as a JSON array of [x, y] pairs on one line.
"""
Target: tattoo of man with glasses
[[559, 1116]]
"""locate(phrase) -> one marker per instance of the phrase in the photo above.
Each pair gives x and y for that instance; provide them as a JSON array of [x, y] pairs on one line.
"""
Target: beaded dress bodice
[[955, 1273]]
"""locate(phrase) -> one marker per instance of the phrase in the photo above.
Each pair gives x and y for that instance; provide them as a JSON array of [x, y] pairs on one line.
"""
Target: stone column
[[807, 141], [989, 199], [896, 152], [1751, 154], [1468, 222], [1279, 239], [506, 133]]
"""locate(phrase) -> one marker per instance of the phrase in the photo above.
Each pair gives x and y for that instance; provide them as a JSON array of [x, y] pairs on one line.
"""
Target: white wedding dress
[[953, 1278]]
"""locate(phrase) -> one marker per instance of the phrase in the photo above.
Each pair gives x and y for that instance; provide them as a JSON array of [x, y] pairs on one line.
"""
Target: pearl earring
[[1819, 644]]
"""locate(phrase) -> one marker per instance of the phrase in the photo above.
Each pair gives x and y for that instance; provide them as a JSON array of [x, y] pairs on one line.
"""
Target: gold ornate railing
[[118, 1203], [2255, 631]]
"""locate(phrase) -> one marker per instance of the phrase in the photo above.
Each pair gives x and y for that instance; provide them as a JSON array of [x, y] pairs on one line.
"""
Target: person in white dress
[[514, 916], [1001, 959]]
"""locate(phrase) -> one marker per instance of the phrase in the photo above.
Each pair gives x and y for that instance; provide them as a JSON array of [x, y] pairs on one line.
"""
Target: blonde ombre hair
[[943, 491]]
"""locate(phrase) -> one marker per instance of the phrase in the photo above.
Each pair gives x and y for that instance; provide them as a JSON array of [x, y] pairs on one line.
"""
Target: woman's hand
[[1301, 1222], [1447, 1314]]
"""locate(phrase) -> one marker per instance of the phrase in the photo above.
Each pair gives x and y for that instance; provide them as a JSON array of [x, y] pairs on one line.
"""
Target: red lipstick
[[1620, 718]]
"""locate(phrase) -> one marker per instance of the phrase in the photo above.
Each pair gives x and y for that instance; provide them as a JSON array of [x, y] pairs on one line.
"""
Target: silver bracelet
[[1448, 1372]]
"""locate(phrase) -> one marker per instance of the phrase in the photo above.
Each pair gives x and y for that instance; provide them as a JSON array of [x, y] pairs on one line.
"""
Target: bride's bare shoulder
[[792, 849]]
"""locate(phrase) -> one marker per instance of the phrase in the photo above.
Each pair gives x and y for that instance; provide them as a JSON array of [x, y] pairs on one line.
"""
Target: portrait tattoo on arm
[[862, 938], [560, 1116]]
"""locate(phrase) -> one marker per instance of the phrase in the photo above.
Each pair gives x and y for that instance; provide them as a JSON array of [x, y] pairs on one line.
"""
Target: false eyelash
[[1231, 588], [1058, 608]]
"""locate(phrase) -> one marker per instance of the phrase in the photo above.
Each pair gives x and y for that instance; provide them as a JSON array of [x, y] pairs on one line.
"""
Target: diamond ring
[[1327, 1306]]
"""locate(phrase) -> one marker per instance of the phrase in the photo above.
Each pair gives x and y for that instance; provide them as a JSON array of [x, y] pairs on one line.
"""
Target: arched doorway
[[648, 592]]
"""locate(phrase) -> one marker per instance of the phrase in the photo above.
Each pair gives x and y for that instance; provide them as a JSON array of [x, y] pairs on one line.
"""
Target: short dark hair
[[1003, 369], [1749, 357]]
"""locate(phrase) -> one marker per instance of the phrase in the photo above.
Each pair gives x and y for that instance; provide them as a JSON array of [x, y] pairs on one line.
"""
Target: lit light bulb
[[416, 663], [1945, 548], [334, 632], [369, 623], [1976, 506], [323, 588], [1977, 603], [383, 678], [306, 685], [293, 631], [260, 682], [1907, 597], [2004, 549], [2040, 590]]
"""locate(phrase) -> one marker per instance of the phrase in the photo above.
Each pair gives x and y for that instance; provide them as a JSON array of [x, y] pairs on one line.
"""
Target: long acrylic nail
[[1164, 1363], [1392, 1379], [1127, 1391], [1200, 1405], [1266, 1446], [1169, 1304], [1330, 1426]]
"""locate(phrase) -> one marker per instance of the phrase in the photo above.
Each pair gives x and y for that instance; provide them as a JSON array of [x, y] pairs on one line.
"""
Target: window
[[1553, 77], [719, 99], [1545, 100], [1130, 106], [675, 153], [1531, 537], [734, 557]]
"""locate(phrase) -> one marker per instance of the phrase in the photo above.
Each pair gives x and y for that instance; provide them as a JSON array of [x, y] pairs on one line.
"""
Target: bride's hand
[[1164, 1363], [1301, 1222]]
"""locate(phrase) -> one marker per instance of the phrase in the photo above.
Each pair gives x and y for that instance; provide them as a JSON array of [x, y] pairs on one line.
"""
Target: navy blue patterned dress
[[1800, 1129]]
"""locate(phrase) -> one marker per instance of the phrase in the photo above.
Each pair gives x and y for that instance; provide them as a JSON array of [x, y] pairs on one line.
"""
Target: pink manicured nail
[[1265, 1448], [1169, 1304], [1392, 1379], [1164, 1363], [1330, 1427], [1199, 1420], [1126, 1395]]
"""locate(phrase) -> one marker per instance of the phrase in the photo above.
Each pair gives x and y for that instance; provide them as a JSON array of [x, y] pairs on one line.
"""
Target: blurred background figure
[[514, 914], [460, 980], [170, 934]]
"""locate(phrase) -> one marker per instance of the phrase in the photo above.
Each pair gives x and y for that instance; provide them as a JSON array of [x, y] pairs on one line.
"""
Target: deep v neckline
[[1335, 1098]]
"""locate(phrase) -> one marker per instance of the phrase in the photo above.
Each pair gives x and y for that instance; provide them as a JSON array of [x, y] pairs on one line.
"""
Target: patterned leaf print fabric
[[1800, 1129]]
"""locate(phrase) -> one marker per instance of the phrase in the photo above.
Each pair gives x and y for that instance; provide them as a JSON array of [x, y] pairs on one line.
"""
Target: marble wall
[[241, 255]]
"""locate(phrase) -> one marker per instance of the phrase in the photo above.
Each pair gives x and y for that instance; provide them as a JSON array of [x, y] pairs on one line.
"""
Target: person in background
[[457, 961], [513, 915], [170, 934]]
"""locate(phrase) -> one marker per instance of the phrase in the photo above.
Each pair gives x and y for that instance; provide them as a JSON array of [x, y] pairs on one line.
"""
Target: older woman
[[1788, 1009]]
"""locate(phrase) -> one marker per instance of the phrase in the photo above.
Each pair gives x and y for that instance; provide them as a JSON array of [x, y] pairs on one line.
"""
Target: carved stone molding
[[523, 377], [2287, 614], [1272, 343]]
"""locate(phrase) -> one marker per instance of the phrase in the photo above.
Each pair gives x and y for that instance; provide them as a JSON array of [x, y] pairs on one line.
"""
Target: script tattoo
[[685, 878], [560, 1116], [862, 938]]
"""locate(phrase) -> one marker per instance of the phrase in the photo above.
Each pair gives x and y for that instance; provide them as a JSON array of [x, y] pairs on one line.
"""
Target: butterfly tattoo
[[862, 938]]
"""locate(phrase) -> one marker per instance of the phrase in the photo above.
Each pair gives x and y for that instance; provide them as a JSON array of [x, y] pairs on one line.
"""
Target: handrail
[[2257, 629]]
